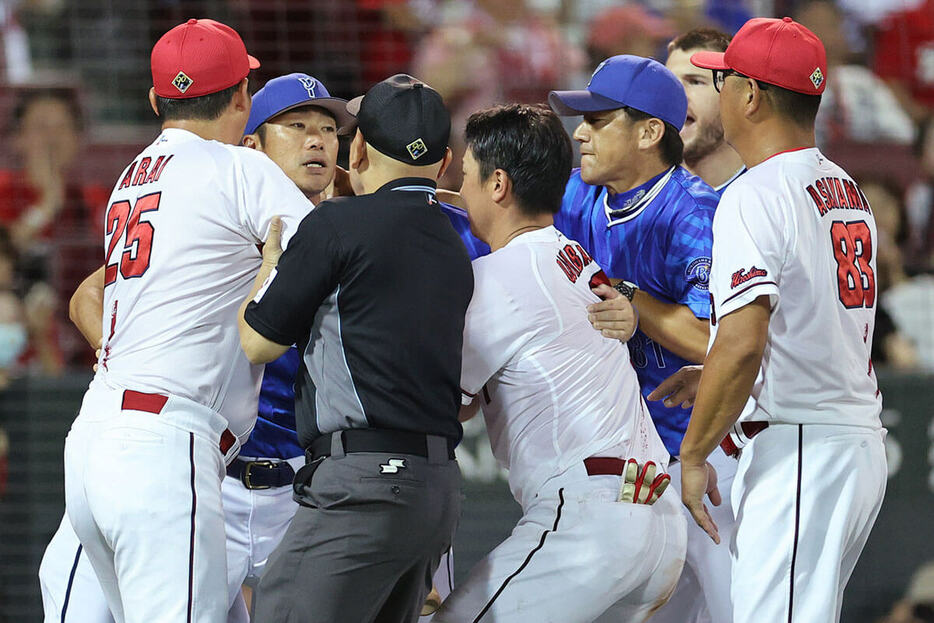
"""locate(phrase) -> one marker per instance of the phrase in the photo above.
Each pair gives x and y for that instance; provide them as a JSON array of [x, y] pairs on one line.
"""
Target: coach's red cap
[[777, 51], [198, 58]]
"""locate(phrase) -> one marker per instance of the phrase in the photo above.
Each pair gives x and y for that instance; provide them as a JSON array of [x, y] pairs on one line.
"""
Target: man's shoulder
[[688, 191]]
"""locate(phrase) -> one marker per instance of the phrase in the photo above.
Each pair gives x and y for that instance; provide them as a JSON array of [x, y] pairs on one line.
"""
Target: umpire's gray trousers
[[365, 541]]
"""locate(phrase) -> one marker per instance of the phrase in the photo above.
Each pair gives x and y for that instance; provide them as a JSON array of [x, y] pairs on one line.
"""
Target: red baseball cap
[[198, 58], [777, 51]]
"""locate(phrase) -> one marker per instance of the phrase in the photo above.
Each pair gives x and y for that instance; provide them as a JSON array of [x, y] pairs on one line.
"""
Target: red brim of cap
[[709, 60], [254, 64]]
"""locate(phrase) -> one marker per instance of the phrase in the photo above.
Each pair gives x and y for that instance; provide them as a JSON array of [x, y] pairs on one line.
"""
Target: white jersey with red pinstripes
[[181, 240], [553, 390], [798, 229]]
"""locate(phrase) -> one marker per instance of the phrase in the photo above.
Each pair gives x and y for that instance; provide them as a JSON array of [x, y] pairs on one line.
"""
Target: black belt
[[377, 440], [261, 474]]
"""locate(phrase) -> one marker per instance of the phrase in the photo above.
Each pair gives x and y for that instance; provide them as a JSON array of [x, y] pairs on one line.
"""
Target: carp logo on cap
[[417, 148], [182, 82], [817, 77], [309, 83]]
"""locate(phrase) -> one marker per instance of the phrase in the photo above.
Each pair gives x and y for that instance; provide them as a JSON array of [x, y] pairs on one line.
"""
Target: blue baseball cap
[[626, 80], [291, 91]]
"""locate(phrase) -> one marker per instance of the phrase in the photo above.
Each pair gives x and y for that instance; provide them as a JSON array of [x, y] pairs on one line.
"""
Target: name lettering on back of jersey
[[834, 193], [140, 172], [740, 277], [572, 259]]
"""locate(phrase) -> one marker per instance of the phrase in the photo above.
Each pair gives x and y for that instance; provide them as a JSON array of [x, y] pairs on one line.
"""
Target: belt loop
[[437, 449], [337, 445]]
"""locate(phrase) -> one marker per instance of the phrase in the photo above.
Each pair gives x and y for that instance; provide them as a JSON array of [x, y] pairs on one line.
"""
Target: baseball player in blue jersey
[[642, 216]]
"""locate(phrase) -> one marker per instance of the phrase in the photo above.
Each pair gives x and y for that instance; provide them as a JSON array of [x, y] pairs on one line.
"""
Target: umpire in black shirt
[[373, 289]]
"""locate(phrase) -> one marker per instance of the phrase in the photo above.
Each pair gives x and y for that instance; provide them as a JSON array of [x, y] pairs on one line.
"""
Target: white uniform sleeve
[[267, 192], [750, 242], [493, 331]]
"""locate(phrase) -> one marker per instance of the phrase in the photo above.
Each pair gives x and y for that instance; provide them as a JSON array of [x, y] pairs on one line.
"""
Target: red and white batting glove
[[641, 484]]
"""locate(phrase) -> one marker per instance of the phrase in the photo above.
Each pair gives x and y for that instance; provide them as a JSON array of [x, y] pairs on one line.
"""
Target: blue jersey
[[659, 237], [274, 435]]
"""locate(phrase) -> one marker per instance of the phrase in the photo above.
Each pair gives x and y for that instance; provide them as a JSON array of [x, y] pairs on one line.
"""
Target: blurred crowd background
[[74, 75]]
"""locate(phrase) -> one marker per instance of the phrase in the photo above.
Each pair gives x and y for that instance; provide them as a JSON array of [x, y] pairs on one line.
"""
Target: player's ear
[[241, 99], [445, 162], [152, 100], [251, 141], [753, 98], [500, 185], [358, 156], [651, 133]]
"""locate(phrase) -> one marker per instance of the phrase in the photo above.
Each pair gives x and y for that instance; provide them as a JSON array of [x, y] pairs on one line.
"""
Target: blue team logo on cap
[[597, 70], [698, 273], [309, 83]]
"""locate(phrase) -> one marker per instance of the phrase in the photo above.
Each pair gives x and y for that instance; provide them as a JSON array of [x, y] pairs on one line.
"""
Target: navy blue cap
[[626, 80], [291, 91]]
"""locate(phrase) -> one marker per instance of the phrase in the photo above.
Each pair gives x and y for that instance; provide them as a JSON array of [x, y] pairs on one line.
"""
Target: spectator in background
[[627, 29], [27, 332], [890, 346], [920, 204], [908, 301], [500, 51], [54, 220], [917, 606], [905, 57], [857, 105]]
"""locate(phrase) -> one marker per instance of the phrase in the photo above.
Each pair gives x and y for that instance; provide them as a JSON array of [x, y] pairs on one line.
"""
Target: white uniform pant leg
[[256, 520], [703, 591], [70, 590], [575, 553], [144, 498], [805, 498]]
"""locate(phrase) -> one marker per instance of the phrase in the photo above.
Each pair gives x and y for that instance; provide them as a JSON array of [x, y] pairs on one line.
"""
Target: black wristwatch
[[627, 289]]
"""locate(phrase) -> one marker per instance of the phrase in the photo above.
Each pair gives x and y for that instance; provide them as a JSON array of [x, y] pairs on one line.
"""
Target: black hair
[[30, 96], [671, 147], [701, 38], [530, 144], [799, 108], [205, 108]]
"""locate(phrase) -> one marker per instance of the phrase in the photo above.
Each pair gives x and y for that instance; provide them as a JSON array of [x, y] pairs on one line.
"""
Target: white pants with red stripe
[[575, 555], [805, 498], [143, 493], [703, 591]]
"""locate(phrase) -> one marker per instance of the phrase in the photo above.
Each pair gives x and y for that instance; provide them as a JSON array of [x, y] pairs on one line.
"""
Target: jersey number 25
[[852, 248], [137, 248]]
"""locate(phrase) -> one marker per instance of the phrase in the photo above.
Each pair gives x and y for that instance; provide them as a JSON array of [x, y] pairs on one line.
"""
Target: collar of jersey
[[546, 233], [411, 184], [628, 205], [723, 186]]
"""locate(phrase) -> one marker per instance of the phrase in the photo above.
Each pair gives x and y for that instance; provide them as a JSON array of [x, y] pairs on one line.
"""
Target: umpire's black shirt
[[374, 290]]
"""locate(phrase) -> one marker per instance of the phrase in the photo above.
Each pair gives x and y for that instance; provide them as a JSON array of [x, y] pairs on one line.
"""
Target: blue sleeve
[[687, 264], [461, 223], [568, 219]]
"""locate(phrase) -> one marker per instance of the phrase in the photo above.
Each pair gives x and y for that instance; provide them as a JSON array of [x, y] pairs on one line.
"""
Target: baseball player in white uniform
[[794, 295], [174, 395], [561, 402]]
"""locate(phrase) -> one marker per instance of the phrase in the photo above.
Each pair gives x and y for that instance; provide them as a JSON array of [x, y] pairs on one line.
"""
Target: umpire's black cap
[[404, 119]]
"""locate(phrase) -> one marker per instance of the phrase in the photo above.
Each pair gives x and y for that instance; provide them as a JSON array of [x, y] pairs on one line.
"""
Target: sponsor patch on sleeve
[[698, 273]]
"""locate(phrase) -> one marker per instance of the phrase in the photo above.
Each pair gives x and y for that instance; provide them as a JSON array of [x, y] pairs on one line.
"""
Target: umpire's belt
[[432, 447], [261, 474]]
